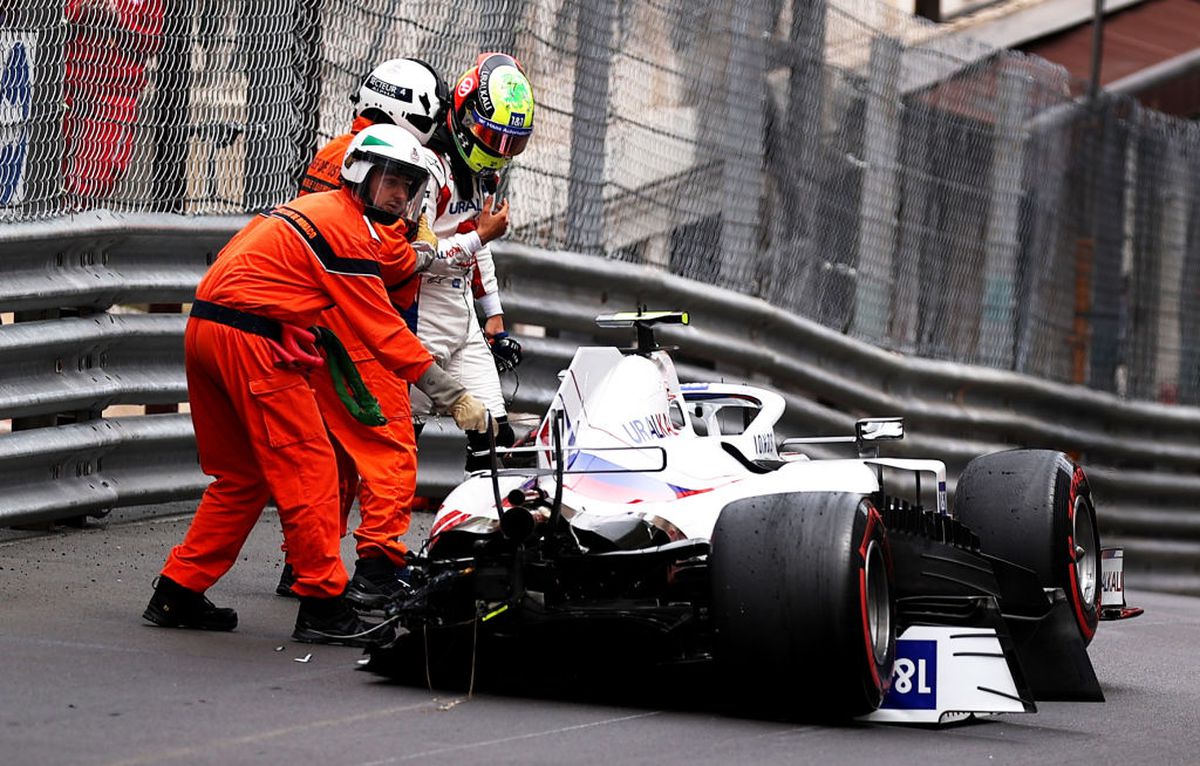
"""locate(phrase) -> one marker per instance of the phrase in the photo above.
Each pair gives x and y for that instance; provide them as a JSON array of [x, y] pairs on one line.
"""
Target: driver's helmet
[[491, 116], [405, 91], [390, 150]]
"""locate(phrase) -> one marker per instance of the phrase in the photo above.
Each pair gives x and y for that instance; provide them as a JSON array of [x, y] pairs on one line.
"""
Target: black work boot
[[376, 583], [333, 621], [174, 606], [287, 578]]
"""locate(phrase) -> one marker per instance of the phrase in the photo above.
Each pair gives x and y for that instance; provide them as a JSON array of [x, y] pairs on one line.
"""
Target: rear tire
[[1034, 508], [802, 602]]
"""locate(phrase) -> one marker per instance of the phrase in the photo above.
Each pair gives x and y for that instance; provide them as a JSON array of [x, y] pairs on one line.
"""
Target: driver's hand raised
[[493, 219]]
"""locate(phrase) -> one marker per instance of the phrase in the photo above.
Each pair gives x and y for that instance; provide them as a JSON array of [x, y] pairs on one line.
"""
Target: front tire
[[1034, 508], [802, 601]]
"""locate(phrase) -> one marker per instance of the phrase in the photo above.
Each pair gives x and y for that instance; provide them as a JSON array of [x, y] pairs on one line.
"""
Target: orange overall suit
[[385, 457], [258, 428]]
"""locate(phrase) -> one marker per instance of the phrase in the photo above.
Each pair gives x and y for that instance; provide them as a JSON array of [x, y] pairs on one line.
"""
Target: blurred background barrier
[[91, 394], [888, 178]]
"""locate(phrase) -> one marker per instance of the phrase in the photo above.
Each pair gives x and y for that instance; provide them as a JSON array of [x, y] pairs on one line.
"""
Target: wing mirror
[[878, 429]]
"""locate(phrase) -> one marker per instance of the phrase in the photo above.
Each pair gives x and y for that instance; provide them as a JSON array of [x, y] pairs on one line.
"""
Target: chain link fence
[[886, 177]]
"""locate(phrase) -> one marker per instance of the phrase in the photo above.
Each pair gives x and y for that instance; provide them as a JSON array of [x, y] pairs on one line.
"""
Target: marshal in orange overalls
[[384, 457], [258, 428]]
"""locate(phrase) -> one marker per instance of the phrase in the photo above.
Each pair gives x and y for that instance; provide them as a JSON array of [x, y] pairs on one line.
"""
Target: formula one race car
[[664, 524]]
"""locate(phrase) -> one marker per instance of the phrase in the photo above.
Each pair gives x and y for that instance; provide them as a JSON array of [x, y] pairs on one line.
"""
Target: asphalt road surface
[[83, 680]]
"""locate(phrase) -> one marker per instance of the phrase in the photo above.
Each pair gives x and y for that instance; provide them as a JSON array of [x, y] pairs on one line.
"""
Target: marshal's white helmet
[[407, 92], [392, 150]]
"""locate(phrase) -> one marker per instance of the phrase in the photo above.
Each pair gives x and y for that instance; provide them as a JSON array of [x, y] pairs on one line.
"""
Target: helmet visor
[[504, 140]]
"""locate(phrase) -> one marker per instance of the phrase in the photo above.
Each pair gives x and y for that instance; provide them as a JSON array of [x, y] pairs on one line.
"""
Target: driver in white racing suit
[[489, 122]]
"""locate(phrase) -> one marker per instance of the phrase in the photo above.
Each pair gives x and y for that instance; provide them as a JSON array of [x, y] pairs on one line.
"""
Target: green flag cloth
[[351, 389]]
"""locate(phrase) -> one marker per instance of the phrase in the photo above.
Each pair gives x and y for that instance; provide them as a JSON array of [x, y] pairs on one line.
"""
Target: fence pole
[[1109, 189], [742, 150], [1146, 260], [171, 110], [589, 125], [1174, 238], [306, 85], [1002, 240], [880, 192], [793, 165]]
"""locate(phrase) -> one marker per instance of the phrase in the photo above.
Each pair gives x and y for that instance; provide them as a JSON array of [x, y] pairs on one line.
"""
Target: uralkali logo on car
[[764, 444], [1112, 580], [656, 425]]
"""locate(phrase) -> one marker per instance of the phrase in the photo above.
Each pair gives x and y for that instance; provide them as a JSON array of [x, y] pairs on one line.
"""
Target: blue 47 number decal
[[914, 682]]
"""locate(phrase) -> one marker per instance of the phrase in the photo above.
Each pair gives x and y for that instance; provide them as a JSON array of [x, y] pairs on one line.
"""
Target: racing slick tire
[[802, 588], [1034, 508]]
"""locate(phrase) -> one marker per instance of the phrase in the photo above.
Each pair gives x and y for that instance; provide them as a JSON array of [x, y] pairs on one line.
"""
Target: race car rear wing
[[643, 321]]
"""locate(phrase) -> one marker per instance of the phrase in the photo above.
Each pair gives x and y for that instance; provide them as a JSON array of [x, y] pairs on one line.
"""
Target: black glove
[[507, 352]]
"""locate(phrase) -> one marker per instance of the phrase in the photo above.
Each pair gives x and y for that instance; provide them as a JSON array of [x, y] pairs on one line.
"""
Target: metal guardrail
[[97, 259], [89, 363], [89, 468], [1143, 459], [66, 359]]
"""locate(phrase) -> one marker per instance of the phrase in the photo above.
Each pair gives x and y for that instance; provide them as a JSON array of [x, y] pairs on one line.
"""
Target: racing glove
[[425, 254], [425, 232], [296, 348], [507, 352], [424, 244]]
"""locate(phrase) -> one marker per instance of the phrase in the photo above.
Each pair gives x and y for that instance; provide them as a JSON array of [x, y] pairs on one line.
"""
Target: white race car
[[663, 524]]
